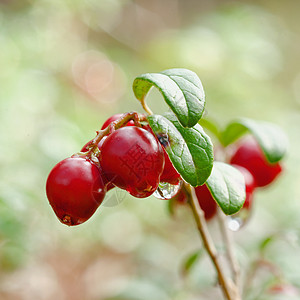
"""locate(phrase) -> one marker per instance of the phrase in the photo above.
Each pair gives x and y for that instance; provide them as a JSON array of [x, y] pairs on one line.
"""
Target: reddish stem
[[122, 121]]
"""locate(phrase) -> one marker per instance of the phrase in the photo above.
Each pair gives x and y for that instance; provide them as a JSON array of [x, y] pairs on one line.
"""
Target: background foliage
[[68, 65]]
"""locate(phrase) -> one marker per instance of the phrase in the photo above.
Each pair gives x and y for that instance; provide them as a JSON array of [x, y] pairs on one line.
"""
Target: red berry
[[250, 156], [75, 189], [169, 173], [250, 185], [114, 118], [132, 159], [206, 201]]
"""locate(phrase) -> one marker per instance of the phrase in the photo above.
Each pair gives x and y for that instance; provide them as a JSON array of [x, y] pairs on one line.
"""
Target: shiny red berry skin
[[206, 201], [169, 173], [250, 186], [132, 159], [250, 156], [114, 118], [75, 189]]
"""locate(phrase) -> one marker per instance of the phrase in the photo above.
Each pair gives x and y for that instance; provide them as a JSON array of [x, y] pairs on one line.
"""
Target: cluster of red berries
[[250, 160], [130, 158]]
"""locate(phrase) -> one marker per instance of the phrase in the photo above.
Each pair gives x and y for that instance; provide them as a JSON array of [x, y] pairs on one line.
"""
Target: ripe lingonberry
[[75, 189], [169, 173], [250, 156], [206, 201], [132, 159], [250, 185], [114, 118]]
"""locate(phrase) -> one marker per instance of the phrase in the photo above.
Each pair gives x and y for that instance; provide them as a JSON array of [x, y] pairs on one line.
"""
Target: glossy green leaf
[[227, 186], [270, 137], [189, 149], [181, 89]]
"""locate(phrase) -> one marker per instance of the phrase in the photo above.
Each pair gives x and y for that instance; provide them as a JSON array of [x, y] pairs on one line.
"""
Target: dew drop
[[238, 220], [166, 190]]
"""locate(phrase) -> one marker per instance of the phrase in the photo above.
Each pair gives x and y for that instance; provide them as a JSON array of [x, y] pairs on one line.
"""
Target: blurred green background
[[65, 67]]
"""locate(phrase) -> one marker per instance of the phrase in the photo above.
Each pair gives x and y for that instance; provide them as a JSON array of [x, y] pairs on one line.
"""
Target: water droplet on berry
[[238, 220], [166, 190]]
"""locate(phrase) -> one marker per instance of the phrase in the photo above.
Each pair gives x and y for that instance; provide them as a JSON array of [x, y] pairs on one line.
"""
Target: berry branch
[[122, 121], [170, 156], [228, 241], [226, 286]]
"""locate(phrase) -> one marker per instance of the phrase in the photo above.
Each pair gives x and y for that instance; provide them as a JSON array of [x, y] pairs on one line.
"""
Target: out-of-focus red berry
[[250, 185], [206, 201], [250, 156]]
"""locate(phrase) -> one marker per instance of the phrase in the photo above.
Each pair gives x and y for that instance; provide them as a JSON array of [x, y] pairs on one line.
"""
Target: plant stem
[[208, 242], [228, 241], [113, 126], [145, 106]]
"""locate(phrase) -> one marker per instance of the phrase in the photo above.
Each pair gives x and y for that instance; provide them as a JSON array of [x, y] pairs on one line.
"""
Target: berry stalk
[[229, 289], [136, 117], [145, 106], [228, 241]]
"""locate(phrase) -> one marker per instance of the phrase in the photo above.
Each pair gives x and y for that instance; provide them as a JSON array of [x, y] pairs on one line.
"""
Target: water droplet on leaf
[[238, 220], [166, 190]]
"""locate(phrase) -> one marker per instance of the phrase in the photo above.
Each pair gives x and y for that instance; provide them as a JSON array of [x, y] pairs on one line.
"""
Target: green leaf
[[270, 137], [190, 149], [190, 261], [181, 89], [227, 186]]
